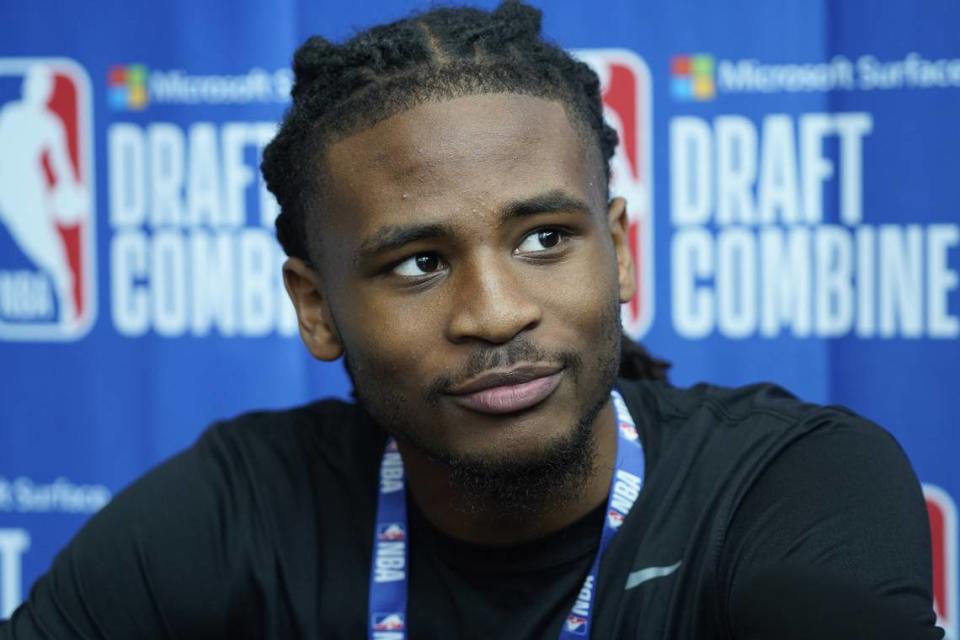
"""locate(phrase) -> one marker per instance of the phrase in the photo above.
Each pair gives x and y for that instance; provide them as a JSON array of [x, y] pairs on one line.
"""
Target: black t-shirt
[[264, 529]]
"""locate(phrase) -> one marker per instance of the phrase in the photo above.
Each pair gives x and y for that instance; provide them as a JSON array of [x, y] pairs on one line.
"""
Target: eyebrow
[[556, 201], [392, 237]]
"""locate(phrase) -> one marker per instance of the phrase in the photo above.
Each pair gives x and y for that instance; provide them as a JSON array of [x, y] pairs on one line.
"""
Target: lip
[[508, 391]]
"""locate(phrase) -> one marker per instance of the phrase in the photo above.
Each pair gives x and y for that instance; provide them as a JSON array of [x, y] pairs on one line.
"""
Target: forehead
[[457, 156], [471, 128]]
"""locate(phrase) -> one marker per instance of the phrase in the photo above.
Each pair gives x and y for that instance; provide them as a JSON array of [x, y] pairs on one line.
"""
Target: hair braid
[[442, 53]]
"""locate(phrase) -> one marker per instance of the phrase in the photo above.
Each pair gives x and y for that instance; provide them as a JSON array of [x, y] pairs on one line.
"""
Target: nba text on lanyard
[[388, 573]]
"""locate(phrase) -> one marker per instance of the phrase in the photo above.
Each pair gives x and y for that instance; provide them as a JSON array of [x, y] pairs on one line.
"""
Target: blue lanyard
[[388, 573]]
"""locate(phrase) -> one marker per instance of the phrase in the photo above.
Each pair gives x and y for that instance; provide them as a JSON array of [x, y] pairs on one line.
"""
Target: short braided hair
[[443, 53]]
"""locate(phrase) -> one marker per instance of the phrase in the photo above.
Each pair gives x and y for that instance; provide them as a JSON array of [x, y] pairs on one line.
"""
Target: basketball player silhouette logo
[[46, 204], [626, 90]]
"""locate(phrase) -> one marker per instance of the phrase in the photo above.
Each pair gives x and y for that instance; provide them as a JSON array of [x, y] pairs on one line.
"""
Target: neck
[[430, 486]]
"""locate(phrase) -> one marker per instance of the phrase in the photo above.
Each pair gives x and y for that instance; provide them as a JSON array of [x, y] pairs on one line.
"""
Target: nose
[[493, 303]]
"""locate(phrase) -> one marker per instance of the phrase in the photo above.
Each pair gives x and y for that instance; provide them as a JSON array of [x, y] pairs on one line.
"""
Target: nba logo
[[47, 217], [626, 91], [629, 431], [614, 518], [387, 622], [392, 532], [576, 625], [943, 543], [623, 414]]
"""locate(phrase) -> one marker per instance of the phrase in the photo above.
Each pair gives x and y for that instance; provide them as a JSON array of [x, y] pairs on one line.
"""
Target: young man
[[443, 185]]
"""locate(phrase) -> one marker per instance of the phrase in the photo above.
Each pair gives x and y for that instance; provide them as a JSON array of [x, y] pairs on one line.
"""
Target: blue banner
[[790, 169]]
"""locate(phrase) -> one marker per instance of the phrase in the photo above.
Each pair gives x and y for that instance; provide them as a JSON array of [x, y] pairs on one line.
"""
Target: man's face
[[471, 270]]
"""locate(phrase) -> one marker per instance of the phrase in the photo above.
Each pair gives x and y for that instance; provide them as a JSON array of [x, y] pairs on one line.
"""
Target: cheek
[[584, 291], [390, 340]]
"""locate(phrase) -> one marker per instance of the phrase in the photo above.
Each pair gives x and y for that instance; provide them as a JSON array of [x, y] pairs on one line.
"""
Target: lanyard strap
[[388, 572]]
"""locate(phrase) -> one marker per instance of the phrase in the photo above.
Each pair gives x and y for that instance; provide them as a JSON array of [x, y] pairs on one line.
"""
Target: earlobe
[[620, 233], [317, 329]]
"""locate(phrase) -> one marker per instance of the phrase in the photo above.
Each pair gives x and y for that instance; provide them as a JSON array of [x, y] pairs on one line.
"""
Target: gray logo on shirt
[[637, 578]]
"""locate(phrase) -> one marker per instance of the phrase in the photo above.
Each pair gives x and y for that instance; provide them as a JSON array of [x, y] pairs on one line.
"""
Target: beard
[[514, 486], [509, 484]]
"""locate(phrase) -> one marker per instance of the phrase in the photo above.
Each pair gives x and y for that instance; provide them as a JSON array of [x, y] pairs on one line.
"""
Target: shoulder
[[766, 437], [284, 460], [745, 415], [250, 456], [838, 505], [754, 476], [730, 437], [726, 405], [320, 416], [191, 546], [332, 428]]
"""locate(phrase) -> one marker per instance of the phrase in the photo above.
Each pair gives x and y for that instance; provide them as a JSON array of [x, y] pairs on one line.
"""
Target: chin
[[519, 447], [526, 471]]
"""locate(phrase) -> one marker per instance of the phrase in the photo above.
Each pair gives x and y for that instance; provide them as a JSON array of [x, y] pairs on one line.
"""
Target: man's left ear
[[317, 328], [619, 225]]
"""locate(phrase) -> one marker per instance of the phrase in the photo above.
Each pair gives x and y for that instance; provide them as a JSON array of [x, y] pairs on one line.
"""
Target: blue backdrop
[[791, 170]]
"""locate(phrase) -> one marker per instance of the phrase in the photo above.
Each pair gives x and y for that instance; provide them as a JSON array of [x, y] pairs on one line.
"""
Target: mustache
[[485, 358]]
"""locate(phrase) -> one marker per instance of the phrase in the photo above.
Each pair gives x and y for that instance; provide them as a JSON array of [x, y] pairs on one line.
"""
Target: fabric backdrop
[[791, 169]]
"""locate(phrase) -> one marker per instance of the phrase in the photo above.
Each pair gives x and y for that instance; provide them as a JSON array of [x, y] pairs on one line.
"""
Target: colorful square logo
[[691, 77], [127, 87]]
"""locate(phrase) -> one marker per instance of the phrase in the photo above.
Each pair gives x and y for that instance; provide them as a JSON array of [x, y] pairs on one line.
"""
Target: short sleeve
[[160, 561], [837, 525]]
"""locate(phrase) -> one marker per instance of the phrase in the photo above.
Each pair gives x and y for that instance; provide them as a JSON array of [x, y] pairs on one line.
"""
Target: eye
[[542, 240], [421, 264]]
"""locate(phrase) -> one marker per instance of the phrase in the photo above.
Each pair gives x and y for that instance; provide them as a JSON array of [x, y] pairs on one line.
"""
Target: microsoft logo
[[691, 77], [127, 87]]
